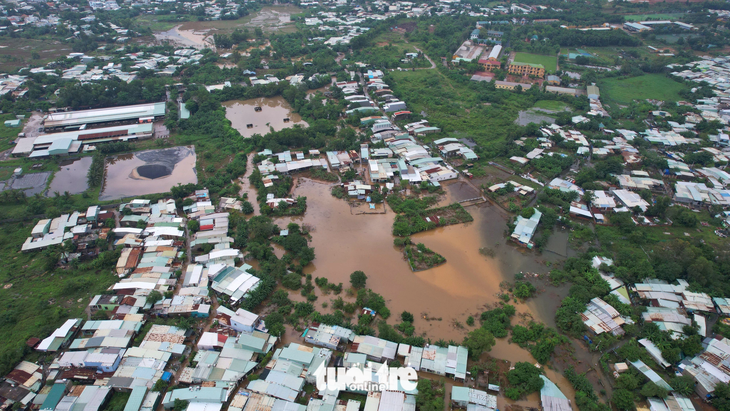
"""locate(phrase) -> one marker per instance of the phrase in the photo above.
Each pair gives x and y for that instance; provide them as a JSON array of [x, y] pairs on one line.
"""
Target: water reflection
[[275, 113], [148, 172], [71, 177]]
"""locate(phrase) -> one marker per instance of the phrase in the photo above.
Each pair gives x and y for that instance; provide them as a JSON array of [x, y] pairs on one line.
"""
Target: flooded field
[[148, 172], [274, 113], [71, 177], [188, 38], [199, 34]]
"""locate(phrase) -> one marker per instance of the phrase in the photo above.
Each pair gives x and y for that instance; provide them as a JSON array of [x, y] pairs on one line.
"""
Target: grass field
[[648, 86], [551, 105], [549, 62], [159, 23], [35, 298], [455, 106], [659, 16], [8, 134], [19, 52]]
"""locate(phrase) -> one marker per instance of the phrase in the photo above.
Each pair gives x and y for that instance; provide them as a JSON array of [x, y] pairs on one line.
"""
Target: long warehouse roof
[[131, 129], [72, 118]]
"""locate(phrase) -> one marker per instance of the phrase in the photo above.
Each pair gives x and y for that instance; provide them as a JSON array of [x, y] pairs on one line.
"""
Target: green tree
[[405, 316], [623, 399], [358, 279], [153, 297], [652, 390], [180, 405], [479, 341], [684, 384]]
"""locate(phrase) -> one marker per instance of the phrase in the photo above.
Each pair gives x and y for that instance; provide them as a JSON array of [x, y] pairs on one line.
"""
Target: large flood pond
[[148, 172], [467, 283], [440, 298], [274, 113], [72, 177]]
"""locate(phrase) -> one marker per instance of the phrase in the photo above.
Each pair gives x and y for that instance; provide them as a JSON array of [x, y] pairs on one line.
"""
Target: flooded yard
[[275, 113], [148, 172], [71, 177]]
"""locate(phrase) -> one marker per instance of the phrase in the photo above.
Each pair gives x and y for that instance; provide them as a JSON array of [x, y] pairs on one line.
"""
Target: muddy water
[[273, 112], [148, 172], [440, 298], [188, 38], [463, 286], [71, 177]]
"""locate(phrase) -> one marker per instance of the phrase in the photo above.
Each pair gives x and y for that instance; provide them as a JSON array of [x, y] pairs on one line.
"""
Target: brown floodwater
[[274, 110], [148, 172], [440, 298], [467, 283], [71, 177]]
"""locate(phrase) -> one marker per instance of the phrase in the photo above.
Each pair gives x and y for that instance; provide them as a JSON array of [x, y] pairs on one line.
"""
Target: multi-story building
[[527, 69]]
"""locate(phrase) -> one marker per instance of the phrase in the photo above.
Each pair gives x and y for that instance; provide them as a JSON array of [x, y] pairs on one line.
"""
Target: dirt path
[[433, 65], [246, 185]]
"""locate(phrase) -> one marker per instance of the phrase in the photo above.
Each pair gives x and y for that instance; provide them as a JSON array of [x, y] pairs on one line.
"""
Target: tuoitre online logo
[[356, 379]]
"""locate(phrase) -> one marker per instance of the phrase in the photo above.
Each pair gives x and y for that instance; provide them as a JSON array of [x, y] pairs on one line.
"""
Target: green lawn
[[648, 86], [8, 134], [551, 105], [549, 62]]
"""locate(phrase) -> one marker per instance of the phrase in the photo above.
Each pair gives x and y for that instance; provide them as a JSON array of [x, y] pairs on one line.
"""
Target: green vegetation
[[419, 256], [37, 297], [416, 221], [539, 339], [655, 16], [553, 105], [8, 134], [430, 395], [647, 86], [549, 62], [497, 320], [479, 341], [523, 380], [358, 279]]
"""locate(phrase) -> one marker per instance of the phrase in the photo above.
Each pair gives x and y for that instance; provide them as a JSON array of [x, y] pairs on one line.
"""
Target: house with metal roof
[[60, 336], [651, 375], [328, 336], [196, 394], [601, 317], [473, 400], [235, 282], [375, 348], [84, 398], [58, 390], [551, 398], [449, 360], [525, 229]]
